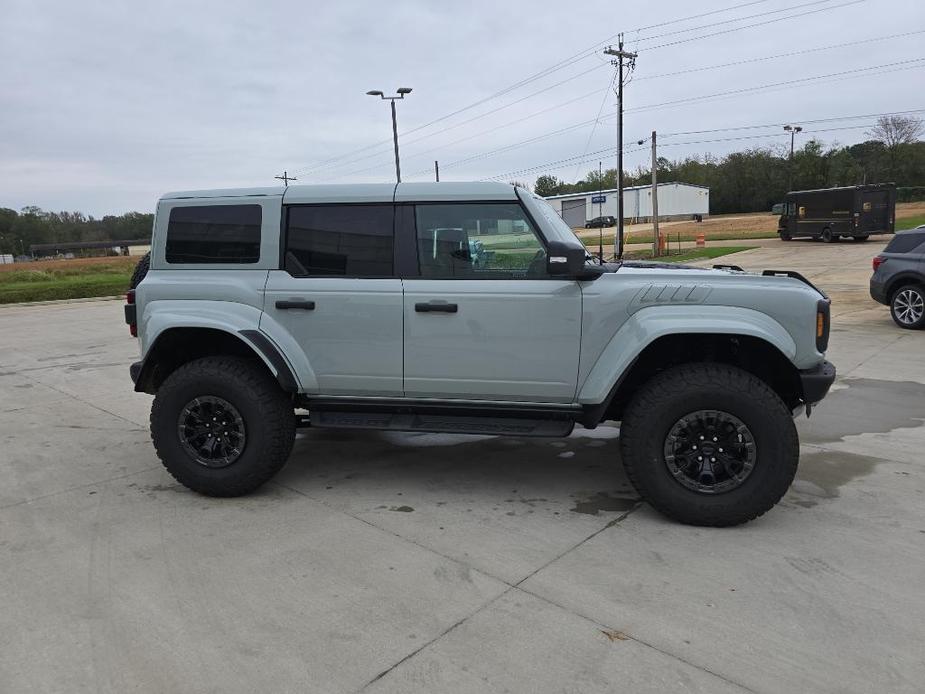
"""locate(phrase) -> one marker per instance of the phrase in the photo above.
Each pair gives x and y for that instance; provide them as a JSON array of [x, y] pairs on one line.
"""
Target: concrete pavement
[[428, 563]]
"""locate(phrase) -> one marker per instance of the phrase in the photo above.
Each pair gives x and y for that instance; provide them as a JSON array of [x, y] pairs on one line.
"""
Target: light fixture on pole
[[392, 99], [793, 130]]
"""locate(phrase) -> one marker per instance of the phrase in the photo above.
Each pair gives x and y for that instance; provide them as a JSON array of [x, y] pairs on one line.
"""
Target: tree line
[[755, 179], [33, 225], [747, 181]]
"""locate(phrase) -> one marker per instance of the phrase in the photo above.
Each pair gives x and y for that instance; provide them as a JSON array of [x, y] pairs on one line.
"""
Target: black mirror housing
[[567, 260]]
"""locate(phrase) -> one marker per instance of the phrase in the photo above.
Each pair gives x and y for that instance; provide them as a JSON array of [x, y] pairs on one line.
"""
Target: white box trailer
[[675, 201]]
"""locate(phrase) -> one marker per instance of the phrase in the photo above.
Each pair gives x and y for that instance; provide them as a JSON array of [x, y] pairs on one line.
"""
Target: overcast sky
[[104, 106]]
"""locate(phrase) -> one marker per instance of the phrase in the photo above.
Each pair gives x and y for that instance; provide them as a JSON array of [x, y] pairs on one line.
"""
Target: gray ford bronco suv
[[464, 307]]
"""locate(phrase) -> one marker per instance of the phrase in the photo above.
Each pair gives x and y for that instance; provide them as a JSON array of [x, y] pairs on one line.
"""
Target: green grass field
[[910, 222], [65, 280]]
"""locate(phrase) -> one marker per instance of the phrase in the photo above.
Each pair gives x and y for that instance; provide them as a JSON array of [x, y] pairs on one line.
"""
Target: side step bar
[[511, 425]]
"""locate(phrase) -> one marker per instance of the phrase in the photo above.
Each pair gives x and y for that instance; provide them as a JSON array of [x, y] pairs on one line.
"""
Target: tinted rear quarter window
[[905, 243], [340, 241], [214, 234]]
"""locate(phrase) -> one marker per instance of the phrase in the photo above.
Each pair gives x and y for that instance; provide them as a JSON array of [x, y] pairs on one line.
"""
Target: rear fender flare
[[239, 320]]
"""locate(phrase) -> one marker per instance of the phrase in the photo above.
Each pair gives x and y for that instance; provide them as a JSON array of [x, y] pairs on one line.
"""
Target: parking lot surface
[[390, 562]]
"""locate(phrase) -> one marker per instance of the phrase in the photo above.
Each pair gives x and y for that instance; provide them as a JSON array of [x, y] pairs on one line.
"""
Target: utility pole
[[285, 178], [655, 244], [793, 130], [437, 171], [630, 58], [600, 192]]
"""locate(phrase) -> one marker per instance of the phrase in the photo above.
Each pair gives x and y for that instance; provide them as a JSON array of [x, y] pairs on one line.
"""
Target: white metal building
[[675, 201]]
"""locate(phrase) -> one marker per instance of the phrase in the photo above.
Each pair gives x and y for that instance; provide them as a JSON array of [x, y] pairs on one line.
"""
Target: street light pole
[[793, 130], [401, 95]]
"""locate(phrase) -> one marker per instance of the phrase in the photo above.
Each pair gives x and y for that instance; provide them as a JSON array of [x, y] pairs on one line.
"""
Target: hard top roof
[[363, 192]]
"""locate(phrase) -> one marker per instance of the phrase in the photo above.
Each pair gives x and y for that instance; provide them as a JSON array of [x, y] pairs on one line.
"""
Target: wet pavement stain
[[401, 509], [820, 475], [602, 501], [866, 406]]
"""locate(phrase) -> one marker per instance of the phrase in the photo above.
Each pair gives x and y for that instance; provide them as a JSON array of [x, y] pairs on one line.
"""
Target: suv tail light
[[877, 262], [131, 312]]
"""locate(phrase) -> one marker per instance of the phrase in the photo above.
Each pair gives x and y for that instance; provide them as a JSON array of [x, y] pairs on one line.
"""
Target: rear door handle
[[433, 307], [304, 305]]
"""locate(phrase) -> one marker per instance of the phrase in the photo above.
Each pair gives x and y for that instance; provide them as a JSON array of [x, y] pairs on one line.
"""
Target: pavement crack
[[610, 524], [434, 640]]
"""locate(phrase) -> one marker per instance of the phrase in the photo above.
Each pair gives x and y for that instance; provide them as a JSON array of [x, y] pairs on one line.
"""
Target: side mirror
[[566, 260]]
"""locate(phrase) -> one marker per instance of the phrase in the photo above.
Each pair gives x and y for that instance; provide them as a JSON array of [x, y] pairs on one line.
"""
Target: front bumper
[[817, 381]]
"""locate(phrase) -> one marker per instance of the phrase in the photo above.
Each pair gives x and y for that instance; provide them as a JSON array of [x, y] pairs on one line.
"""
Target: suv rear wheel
[[908, 307], [709, 444], [222, 426]]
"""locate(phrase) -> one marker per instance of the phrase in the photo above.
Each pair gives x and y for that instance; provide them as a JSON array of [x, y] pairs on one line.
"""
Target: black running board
[[511, 425]]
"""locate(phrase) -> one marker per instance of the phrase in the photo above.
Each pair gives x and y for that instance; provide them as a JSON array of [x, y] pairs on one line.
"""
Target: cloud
[[104, 106]]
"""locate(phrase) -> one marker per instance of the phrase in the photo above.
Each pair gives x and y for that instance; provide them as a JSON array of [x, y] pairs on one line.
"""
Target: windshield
[[550, 220]]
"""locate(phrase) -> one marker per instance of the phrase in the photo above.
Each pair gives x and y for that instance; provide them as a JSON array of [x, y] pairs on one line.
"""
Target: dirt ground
[[57, 264]]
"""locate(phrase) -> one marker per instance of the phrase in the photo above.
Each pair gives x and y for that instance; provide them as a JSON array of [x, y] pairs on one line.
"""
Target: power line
[[751, 26], [591, 50], [735, 19], [611, 152], [780, 55], [774, 85], [609, 116]]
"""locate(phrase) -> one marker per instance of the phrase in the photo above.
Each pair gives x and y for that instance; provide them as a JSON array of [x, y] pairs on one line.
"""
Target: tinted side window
[[214, 234], [339, 240], [905, 243], [478, 241]]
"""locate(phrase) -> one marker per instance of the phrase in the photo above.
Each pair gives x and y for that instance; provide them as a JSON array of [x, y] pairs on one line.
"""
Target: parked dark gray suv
[[899, 278]]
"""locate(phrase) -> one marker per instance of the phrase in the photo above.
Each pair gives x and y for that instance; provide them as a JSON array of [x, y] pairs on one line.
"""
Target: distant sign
[[598, 199]]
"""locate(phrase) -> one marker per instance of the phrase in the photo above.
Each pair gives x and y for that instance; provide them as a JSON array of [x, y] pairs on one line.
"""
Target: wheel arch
[[902, 279], [656, 338], [176, 346]]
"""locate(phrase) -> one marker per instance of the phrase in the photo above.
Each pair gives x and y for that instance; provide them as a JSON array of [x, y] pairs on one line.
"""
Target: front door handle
[[304, 305], [434, 307]]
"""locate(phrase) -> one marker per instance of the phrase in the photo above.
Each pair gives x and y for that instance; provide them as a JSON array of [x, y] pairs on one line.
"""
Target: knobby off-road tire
[[667, 400], [234, 392], [141, 269]]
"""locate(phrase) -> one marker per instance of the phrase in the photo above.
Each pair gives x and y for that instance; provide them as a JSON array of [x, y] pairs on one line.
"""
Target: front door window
[[478, 241]]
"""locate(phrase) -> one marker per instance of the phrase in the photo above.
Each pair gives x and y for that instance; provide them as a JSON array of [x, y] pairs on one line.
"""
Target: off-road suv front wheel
[[709, 444], [222, 426]]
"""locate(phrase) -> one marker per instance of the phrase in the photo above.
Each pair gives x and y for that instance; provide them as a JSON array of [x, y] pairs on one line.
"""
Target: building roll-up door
[[573, 212]]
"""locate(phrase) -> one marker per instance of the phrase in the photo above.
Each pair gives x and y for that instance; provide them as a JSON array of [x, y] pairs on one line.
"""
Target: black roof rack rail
[[795, 275], [728, 267]]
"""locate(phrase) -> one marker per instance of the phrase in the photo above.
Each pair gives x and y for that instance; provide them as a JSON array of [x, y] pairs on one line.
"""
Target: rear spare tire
[[141, 269], [709, 444], [222, 426]]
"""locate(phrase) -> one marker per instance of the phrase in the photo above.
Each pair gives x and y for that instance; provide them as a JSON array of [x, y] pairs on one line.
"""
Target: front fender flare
[[648, 324]]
